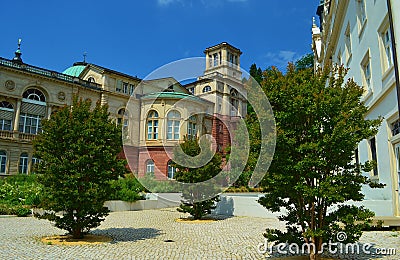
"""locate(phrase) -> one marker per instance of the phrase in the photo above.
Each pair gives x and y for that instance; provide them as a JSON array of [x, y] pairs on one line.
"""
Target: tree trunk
[[77, 233], [315, 256]]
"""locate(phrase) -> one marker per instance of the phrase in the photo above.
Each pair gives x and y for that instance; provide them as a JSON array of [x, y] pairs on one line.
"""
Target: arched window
[[173, 123], [192, 127], [23, 163], [206, 89], [234, 102], [6, 116], [3, 162], [34, 94], [33, 109], [150, 166], [122, 118], [171, 170], [152, 125], [122, 121], [91, 79]]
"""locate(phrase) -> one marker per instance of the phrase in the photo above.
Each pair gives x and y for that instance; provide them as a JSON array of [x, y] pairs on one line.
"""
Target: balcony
[[16, 136]]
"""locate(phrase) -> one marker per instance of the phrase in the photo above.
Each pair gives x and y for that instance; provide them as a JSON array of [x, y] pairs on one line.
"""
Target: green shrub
[[17, 191], [23, 211], [127, 189]]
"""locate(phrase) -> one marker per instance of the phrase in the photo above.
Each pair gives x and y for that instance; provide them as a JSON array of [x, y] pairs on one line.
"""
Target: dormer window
[[91, 80], [206, 89]]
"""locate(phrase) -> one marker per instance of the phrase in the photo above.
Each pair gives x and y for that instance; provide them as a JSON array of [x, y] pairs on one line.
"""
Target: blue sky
[[138, 36]]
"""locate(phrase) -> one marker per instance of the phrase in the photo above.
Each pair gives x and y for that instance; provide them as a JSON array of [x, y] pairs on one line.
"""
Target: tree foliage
[[320, 121], [193, 198], [78, 149], [305, 62]]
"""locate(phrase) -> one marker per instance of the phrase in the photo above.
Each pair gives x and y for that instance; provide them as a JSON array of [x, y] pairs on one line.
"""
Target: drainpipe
[[394, 53]]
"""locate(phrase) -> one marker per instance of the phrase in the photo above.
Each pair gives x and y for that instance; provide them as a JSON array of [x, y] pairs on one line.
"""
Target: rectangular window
[[29, 124], [5, 125], [176, 129], [366, 72], [150, 130], [118, 87], [131, 89], [216, 59], [361, 14], [125, 87], [3, 162], [169, 130], [372, 144], [192, 131], [396, 127], [348, 43], [23, 164], [387, 49]]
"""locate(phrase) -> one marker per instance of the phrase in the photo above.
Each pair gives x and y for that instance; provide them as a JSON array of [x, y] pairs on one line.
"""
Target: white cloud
[[280, 59], [168, 2]]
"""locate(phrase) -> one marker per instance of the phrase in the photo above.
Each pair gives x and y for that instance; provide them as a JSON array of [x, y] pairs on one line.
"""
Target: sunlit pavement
[[155, 234]]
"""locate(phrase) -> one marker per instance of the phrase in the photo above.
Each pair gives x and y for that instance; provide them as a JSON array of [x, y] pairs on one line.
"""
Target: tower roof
[[220, 45]]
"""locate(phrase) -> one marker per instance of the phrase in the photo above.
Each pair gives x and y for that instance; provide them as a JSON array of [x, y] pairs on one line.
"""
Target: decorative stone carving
[[61, 96], [10, 85]]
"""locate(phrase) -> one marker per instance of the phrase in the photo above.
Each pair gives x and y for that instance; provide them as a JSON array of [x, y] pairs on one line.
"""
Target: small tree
[[78, 149], [193, 197], [320, 121]]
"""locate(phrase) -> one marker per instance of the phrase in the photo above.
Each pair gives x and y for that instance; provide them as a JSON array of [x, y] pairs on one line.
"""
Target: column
[[224, 57], [17, 113], [48, 111]]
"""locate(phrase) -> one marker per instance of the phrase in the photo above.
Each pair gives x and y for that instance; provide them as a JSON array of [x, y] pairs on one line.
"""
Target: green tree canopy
[[320, 121], [193, 198], [78, 149]]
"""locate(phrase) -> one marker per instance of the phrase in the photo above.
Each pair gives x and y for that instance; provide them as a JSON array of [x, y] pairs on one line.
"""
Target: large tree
[[78, 149], [320, 120], [196, 198]]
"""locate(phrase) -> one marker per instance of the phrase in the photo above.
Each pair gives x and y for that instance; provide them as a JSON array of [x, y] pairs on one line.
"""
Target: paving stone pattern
[[155, 234]]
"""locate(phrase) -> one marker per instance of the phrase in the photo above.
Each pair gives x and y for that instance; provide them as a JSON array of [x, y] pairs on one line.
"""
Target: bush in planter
[[127, 188]]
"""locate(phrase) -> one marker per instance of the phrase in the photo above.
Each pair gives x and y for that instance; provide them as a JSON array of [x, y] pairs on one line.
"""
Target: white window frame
[[152, 125], [27, 125], [347, 37], [385, 46], [361, 16], [192, 127], [366, 72], [173, 125], [150, 166], [170, 171], [23, 163], [3, 162]]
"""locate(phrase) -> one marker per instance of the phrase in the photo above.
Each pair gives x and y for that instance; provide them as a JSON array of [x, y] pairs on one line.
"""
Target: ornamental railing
[[48, 73], [17, 136]]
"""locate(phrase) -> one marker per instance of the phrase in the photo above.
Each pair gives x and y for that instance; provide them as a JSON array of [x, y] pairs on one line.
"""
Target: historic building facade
[[154, 115], [361, 34]]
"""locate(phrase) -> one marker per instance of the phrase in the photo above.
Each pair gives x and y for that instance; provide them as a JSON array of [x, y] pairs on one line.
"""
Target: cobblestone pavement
[[154, 234]]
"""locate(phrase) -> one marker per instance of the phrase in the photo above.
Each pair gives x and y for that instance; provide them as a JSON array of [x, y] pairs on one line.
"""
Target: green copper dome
[[74, 71]]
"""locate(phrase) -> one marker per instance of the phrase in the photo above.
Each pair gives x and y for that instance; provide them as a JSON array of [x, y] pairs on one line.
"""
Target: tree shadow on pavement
[[128, 234]]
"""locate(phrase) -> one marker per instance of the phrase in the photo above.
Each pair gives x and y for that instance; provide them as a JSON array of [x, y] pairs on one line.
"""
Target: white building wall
[[380, 97]]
